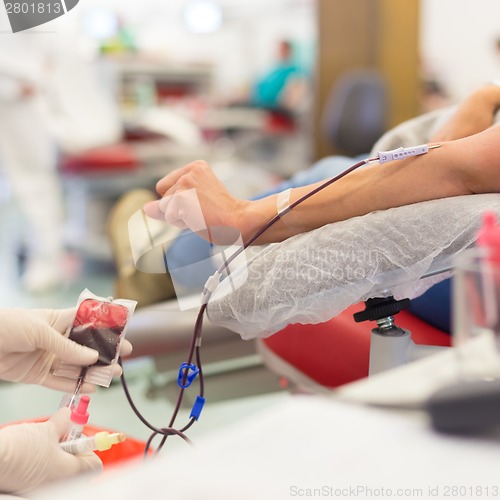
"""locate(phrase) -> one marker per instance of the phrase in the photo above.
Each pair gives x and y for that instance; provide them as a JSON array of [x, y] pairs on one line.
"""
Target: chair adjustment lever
[[379, 308]]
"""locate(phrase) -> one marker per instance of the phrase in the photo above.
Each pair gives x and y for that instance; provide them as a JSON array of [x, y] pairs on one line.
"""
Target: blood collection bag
[[100, 323]]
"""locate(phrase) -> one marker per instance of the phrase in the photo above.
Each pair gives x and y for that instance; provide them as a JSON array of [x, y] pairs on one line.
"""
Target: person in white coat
[[52, 102], [28, 157]]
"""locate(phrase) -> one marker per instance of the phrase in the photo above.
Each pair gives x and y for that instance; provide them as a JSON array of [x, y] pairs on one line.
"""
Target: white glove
[[33, 341], [30, 455]]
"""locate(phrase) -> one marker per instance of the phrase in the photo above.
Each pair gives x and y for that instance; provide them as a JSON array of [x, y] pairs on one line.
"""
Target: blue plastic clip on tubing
[[187, 373], [197, 407]]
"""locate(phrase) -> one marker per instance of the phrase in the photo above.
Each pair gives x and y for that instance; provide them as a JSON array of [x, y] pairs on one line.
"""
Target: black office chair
[[355, 114]]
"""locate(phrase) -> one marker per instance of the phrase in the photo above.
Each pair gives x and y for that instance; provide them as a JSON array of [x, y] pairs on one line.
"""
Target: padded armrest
[[314, 276], [163, 328]]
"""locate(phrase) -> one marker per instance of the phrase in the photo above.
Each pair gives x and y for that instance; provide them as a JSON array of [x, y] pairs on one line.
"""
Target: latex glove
[[32, 342], [30, 455]]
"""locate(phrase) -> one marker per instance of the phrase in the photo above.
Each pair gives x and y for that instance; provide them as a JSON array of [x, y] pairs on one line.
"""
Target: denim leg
[[319, 171], [192, 253]]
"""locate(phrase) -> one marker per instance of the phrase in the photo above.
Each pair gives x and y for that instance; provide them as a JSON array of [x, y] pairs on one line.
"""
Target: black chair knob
[[379, 308]]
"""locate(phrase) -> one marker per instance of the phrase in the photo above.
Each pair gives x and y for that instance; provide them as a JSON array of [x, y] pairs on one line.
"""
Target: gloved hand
[[30, 455], [33, 341]]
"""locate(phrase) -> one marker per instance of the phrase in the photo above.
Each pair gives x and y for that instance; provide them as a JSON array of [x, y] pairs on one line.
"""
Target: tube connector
[[211, 284], [402, 153], [101, 441]]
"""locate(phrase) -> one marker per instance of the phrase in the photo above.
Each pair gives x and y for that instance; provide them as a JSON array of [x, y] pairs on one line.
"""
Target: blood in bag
[[99, 325]]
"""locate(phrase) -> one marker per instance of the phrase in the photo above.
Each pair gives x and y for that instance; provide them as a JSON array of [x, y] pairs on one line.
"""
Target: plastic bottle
[[79, 417], [489, 237]]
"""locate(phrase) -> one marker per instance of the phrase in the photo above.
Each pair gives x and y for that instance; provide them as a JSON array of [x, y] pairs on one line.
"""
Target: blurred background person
[[282, 87], [51, 105], [28, 157]]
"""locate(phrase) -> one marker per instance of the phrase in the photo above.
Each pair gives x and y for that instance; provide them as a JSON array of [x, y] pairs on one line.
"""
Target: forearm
[[464, 166], [486, 97], [473, 115], [460, 167]]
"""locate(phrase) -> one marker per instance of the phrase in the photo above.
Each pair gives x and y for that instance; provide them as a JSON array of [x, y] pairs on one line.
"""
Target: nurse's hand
[[193, 197], [32, 342], [30, 455]]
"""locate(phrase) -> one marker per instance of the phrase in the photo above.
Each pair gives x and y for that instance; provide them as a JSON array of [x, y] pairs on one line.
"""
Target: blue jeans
[[434, 306]]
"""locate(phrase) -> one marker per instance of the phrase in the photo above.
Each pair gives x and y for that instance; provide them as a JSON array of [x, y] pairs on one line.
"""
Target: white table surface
[[314, 446]]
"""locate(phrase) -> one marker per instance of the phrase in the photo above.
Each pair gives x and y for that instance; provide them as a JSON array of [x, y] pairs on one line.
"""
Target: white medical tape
[[283, 201]]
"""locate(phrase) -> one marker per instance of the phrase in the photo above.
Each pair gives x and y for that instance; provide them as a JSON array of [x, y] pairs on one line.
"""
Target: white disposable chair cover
[[314, 276]]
